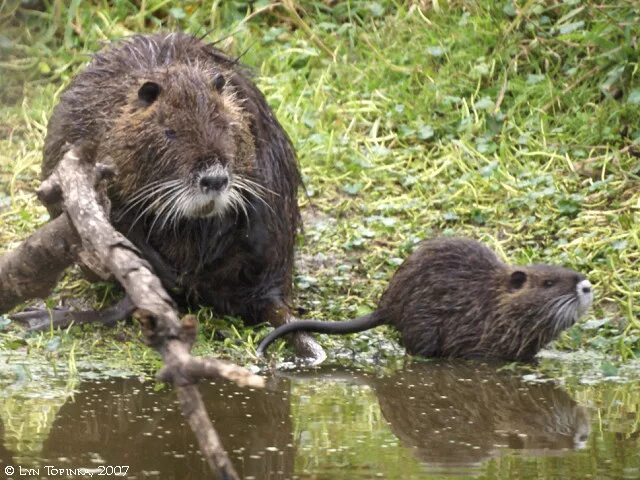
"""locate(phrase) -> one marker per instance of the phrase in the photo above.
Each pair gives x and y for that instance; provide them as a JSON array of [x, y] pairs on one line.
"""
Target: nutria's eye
[[170, 134], [219, 82], [517, 279], [548, 283], [148, 92]]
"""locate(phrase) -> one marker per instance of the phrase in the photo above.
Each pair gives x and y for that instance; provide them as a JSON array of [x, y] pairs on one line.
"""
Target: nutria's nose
[[584, 286], [213, 183]]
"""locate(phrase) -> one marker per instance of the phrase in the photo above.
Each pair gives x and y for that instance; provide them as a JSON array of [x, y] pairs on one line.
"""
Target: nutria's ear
[[219, 82], [517, 279], [148, 92]]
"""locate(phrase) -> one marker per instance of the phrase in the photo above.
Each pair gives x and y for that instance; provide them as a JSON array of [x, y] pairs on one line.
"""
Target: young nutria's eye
[[548, 283], [219, 82], [517, 279], [148, 92], [170, 134]]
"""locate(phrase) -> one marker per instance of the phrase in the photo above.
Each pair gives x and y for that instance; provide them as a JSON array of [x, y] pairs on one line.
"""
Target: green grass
[[514, 123]]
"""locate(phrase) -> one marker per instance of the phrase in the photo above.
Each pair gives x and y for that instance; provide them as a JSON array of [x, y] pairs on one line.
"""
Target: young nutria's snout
[[551, 297], [584, 291]]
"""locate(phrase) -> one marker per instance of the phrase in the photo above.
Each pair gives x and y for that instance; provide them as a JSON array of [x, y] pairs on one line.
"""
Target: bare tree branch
[[33, 268]]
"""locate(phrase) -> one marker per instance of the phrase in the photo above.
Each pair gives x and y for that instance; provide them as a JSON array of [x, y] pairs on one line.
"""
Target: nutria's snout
[[211, 193], [584, 291], [568, 312], [213, 184]]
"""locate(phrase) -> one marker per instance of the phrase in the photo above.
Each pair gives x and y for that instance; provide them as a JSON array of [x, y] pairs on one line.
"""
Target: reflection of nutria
[[207, 180], [455, 298], [458, 414]]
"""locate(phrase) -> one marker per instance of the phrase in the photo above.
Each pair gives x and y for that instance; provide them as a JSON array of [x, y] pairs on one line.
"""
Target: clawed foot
[[39, 319]]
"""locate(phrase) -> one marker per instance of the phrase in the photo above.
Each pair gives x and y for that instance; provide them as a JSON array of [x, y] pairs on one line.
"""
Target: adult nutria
[[207, 179], [454, 298]]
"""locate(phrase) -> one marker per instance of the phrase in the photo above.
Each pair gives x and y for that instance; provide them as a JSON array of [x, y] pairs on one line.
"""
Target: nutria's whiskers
[[250, 187], [568, 313], [238, 201], [255, 186], [165, 204], [144, 194], [172, 216], [155, 198], [560, 313]]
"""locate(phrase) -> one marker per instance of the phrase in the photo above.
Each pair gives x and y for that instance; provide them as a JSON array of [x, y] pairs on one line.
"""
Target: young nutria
[[453, 297], [207, 179]]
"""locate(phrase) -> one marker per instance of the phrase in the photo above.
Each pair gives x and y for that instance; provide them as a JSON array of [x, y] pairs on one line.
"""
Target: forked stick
[[85, 226]]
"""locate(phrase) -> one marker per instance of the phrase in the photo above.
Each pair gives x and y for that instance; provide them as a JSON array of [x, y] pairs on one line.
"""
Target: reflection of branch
[[73, 182]]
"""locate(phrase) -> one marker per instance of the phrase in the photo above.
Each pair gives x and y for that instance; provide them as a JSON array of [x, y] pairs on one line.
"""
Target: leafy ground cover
[[516, 123]]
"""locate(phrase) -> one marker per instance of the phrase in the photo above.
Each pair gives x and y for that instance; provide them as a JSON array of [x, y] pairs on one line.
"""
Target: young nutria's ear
[[149, 92], [517, 279], [219, 81]]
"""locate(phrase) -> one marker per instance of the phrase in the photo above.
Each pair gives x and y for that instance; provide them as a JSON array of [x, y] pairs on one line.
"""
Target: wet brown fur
[[453, 297], [240, 263]]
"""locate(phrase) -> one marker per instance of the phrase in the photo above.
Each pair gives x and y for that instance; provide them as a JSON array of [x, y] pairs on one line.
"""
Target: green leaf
[[510, 10], [376, 9], [450, 216], [485, 103], [435, 51], [593, 324], [53, 344], [177, 13], [425, 132], [634, 97], [534, 78], [608, 369], [569, 206], [352, 188], [570, 27]]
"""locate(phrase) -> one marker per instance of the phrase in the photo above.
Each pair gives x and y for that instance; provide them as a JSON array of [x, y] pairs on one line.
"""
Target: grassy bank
[[514, 123]]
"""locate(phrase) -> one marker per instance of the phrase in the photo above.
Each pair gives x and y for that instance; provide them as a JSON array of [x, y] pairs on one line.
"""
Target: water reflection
[[460, 414], [417, 422], [125, 422], [6, 457], [452, 417]]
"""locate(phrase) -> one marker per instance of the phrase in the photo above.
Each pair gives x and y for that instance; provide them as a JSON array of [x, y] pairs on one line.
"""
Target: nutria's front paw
[[308, 350]]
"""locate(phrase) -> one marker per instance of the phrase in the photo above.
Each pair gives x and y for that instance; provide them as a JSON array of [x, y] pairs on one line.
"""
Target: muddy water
[[423, 421]]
